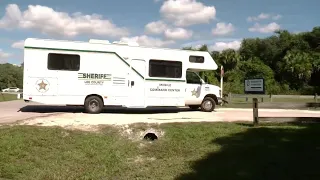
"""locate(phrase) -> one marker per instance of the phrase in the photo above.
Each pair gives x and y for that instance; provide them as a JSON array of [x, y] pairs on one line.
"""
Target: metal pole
[[221, 81], [255, 112]]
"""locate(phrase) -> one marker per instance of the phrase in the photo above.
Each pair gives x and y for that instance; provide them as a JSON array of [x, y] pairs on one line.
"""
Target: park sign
[[254, 86]]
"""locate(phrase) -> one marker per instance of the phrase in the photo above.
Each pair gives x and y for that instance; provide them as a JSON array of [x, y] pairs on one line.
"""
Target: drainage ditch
[[150, 137]]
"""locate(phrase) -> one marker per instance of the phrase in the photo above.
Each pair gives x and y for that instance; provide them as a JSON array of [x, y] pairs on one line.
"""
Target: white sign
[[254, 86]]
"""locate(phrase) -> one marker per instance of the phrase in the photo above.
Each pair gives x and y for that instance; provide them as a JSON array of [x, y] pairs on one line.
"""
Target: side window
[[165, 69], [192, 78], [196, 59], [63, 62]]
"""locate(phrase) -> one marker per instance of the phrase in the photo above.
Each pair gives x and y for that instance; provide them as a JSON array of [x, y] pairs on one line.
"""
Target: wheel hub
[[208, 105], [94, 104]]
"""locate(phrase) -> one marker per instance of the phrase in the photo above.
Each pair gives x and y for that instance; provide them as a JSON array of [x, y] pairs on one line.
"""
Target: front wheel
[[208, 104], [93, 105]]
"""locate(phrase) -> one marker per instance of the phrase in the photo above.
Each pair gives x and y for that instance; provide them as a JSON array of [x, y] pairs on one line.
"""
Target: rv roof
[[106, 42], [125, 51]]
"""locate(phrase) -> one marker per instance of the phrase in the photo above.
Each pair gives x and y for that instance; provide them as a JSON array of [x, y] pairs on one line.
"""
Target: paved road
[[19, 110], [10, 111]]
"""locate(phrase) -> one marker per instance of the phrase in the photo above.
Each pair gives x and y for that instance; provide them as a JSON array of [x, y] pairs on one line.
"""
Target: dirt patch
[[66, 121], [138, 132], [65, 134], [95, 123], [129, 123], [141, 159], [81, 119]]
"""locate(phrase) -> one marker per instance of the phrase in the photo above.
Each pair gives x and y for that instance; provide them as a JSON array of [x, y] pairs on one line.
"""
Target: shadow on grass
[[267, 152]]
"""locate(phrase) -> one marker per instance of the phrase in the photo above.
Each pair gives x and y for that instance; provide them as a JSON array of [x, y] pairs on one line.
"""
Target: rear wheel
[[93, 105], [194, 107], [208, 104]]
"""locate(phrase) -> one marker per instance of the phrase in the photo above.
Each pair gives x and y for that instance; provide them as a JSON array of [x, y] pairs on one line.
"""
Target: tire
[[194, 107], [93, 105], [208, 104]]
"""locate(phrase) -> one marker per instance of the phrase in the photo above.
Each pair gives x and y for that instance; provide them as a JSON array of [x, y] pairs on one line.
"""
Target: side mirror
[[206, 79]]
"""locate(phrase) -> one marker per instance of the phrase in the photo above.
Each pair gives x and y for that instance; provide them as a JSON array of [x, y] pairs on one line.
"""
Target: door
[[193, 89], [136, 83]]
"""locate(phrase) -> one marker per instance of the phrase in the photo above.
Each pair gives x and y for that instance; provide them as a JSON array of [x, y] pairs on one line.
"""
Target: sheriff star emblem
[[194, 92], [42, 85]]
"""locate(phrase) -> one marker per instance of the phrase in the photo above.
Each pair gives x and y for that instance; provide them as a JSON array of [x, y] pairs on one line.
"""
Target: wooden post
[[270, 97], [316, 97], [255, 112]]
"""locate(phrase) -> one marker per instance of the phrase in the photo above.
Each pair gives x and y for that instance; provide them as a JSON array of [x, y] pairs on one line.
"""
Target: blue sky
[[218, 23]]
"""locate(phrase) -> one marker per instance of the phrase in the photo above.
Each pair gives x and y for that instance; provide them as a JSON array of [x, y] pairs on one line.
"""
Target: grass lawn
[[185, 151], [7, 97]]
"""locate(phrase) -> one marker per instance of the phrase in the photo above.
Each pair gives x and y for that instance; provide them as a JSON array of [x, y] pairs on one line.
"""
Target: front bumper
[[219, 100]]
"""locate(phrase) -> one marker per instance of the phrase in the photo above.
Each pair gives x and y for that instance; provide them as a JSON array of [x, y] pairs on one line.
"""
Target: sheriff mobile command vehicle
[[97, 73]]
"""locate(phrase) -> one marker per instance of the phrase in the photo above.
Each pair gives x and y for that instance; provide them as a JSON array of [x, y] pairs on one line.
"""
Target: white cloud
[[263, 16], [50, 22], [276, 17], [4, 56], [259, 17], [187, 12], [178, 34], [156, 27], [296, 32], [147, 41], [223, 29], [220, 46], [269, 28], [159, 27], [12, 16], [209, 41], [18, 45]]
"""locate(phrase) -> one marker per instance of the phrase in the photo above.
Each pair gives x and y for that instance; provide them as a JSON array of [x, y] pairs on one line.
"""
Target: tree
[[289, 62], [10, 76]]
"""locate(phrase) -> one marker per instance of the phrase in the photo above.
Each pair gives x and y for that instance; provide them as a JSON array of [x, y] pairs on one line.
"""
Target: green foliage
[[10, 76], [289, 63]]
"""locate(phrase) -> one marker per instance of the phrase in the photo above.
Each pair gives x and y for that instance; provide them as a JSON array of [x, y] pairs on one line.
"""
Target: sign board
[[254, 86]]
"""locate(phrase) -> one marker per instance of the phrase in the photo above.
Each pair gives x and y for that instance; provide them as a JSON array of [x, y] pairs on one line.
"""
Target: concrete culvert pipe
[[150, 136]]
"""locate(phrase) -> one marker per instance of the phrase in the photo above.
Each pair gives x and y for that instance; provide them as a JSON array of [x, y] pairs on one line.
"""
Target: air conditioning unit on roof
[[126, 43], [98, 41]]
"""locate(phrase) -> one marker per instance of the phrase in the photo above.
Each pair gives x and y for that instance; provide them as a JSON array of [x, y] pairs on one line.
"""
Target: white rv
[[97, 73]]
